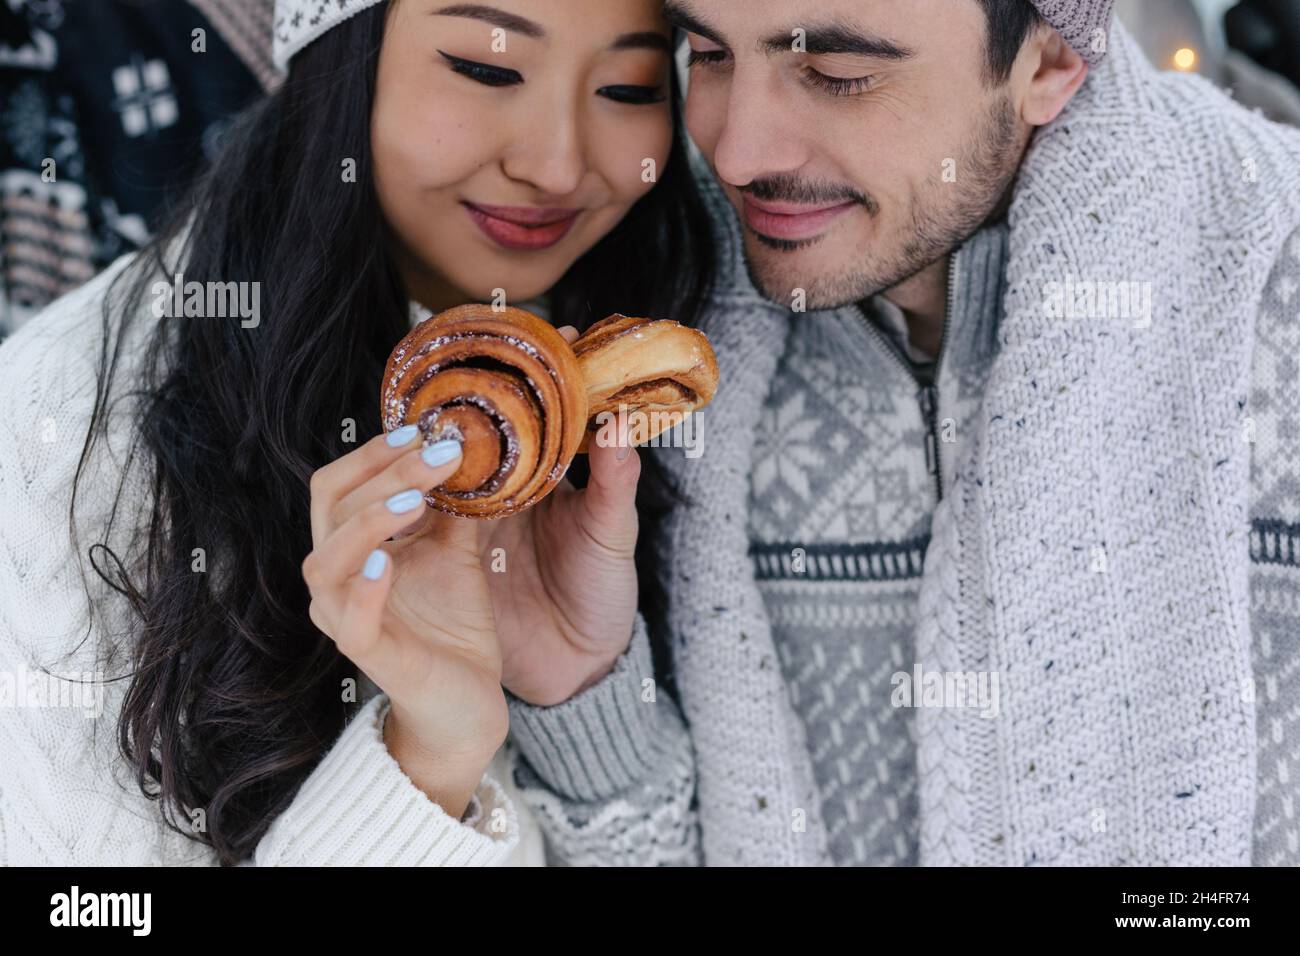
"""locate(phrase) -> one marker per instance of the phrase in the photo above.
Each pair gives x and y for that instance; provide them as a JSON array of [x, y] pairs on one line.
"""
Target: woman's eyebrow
[[500, 18], [645, 40]]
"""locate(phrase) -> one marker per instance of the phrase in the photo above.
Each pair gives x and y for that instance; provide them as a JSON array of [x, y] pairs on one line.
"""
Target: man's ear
[[1055, 73]]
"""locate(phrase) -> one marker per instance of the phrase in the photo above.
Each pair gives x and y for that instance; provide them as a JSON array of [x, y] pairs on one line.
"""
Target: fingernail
[[402, 436], [441, 452], [375, 565], [405, 501]]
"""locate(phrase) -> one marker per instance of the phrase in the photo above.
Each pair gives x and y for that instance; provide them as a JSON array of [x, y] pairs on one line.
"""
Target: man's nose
[[760, 135]]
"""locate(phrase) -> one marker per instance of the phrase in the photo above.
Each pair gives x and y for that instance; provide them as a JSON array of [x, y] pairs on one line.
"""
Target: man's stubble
[[939, 222]]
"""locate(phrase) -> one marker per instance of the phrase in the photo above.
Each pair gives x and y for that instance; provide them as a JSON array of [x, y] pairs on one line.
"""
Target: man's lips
[[525, 228], [791, 221]]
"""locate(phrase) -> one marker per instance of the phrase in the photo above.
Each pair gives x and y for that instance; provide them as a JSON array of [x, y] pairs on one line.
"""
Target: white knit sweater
[[64, 799]]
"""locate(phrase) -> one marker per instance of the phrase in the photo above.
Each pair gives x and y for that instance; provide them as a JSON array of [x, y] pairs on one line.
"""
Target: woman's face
[[510, 137]]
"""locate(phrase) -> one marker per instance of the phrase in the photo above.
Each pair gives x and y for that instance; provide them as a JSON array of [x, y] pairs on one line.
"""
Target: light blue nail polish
[[405, 501], [441, 452], [402, 436], [375, 565]]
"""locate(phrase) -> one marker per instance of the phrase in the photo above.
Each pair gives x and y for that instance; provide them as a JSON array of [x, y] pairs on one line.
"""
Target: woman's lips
[[790, 221], [522, 228]]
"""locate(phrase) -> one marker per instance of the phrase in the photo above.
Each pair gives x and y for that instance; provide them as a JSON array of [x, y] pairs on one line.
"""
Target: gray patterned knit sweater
[[1117, 539], [844, 487], [843, 621]]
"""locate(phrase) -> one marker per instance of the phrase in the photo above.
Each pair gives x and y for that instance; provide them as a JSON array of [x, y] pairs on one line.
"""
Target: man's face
[[859, 140]]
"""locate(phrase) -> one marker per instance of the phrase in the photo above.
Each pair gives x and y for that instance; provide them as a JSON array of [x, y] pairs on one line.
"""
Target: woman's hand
[[566, 600], [413, 613]]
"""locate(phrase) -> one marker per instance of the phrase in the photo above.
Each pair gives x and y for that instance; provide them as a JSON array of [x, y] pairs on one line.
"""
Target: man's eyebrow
[[645, 40], [676, 13], [499, 18], [840, 38]]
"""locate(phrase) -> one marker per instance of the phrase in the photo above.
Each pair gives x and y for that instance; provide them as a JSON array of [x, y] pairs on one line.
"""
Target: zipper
[[931, 391], [928, 396]]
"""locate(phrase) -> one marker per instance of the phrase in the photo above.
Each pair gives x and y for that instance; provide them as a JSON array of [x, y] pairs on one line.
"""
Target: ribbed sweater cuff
[[601, 741], [358, 808]]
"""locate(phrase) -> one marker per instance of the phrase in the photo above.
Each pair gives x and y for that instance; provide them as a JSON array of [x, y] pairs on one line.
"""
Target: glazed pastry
[[507, 385], [523, 402], [657, 370]]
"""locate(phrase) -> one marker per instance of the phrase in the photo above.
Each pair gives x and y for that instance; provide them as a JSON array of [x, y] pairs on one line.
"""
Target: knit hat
[[299, 22], [1083, 23]]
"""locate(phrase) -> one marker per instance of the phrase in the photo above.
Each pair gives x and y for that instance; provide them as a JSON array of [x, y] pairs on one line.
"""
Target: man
[[996, 529]]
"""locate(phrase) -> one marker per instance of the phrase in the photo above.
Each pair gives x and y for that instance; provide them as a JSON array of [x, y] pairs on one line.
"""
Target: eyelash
[[482, 73], [705, 57], [834, 85], [500, 76], [837, 85], [633, 95]]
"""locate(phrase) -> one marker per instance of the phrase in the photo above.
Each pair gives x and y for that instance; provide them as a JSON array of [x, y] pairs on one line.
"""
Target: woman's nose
[[549, 154]]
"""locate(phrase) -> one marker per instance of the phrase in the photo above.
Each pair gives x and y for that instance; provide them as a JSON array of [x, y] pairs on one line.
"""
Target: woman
[[264, 552]]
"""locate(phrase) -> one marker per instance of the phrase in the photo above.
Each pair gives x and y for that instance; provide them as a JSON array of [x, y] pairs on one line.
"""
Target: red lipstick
[[522, 228]]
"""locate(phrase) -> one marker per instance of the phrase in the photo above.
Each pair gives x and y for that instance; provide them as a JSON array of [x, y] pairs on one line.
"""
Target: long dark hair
[[234, 695]]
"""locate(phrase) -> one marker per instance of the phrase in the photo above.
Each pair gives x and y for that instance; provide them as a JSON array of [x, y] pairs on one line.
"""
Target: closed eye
[[706, 57], [633, 95], [482, 72], [837, 85]]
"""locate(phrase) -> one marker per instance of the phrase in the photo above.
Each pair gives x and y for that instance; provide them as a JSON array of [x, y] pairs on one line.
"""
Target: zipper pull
[[929, 403], [931, 455]]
